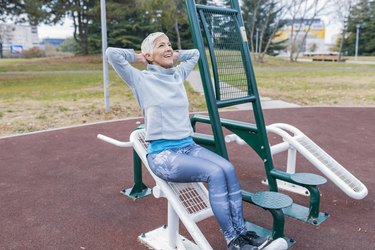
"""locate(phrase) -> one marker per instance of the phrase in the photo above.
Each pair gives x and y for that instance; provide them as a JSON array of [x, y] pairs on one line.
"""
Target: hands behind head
[[140, 58], [176, 55]]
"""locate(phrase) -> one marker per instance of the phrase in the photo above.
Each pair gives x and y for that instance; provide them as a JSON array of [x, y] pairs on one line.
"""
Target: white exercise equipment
[[295, 141], [187, 202]]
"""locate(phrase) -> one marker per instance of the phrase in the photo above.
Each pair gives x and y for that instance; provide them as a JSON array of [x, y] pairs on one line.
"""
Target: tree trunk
[[292, 41], [261, 55], [344, 29], [255, 11], [304, 39], [341, 44], [80, 28], [177, 34], [260, 41]]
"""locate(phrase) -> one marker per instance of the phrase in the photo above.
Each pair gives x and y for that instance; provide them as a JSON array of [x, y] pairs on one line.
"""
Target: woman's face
[[162, 54]]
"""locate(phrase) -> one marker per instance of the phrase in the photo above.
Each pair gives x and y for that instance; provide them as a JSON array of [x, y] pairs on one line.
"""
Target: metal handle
[[115, 142]]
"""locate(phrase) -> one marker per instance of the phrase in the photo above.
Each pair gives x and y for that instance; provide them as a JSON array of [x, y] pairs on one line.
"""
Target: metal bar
[[257, 108], [115, 142], [216, 10], [212, 55], [104, 47], [291, 160], [245, 126], [314, 203], [278, 223], [173, 227], [206, 79], [230, 102]]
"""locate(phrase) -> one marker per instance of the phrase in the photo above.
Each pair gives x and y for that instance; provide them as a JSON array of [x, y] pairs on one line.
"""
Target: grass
[[52, 64], [304, 83], [37, 94], [318, 83], [45, 93]]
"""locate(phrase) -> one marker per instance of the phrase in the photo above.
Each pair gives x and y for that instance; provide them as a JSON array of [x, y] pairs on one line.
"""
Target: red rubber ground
[[61, 189]]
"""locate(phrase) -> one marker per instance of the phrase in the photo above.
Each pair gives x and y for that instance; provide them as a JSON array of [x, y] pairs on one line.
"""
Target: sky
[[66, 30], [57, 31]]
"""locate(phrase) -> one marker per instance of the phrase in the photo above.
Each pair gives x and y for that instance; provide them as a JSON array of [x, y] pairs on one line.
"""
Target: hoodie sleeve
[[188, 59], [120, 60]]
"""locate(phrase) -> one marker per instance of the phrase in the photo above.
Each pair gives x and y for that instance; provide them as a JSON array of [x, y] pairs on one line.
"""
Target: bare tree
[[302, 14], [262, 20], [251, 27], [271, 9], [343, 9]]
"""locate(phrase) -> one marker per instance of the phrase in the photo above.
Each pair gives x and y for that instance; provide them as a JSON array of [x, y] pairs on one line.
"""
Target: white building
[[315, 39], [15, 38]]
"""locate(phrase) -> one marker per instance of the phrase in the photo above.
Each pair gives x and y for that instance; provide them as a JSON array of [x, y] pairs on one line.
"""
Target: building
[[16, 38], [55, 42], [315, 39]]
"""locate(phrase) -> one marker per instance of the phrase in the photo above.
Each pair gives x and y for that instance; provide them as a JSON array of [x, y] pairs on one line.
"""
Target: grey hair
[[149, 42]]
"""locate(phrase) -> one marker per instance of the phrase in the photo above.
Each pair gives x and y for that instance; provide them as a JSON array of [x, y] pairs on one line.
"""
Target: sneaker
[[255, 240], [240, 243]]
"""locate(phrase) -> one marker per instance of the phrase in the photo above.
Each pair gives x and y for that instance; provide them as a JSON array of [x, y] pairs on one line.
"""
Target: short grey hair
[[149, 42]]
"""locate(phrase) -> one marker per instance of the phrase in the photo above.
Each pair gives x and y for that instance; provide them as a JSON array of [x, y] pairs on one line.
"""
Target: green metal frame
[[255, 135], [139, 190], [207, 86]]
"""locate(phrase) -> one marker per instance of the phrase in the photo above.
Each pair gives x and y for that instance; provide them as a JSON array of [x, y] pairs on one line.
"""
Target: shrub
[[33, 53]]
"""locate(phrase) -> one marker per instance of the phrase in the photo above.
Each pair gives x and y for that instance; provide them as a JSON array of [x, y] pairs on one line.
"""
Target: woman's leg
[[233, 185], [179, 166], [235, 197]]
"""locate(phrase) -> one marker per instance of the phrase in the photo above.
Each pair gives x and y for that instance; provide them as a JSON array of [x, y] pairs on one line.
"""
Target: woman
[[172, 153]]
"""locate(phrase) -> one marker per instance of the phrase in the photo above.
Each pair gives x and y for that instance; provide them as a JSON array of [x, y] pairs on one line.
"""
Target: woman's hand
[[176, 55], [140, 58]]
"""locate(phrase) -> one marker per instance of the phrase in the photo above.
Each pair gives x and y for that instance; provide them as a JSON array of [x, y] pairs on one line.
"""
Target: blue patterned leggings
[[194, 163]]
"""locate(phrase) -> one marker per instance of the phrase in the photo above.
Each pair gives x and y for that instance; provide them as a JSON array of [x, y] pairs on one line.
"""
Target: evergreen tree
[[52, 12], [80, 11], [128, 22], [11, 10], [362, 14]]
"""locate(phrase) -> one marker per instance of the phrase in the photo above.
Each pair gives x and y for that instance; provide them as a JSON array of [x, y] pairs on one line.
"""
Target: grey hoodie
[[160, 92]]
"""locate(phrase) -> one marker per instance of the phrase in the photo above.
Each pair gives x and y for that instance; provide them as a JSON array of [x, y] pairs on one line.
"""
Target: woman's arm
[[188, 59], [120, 60], [140, 58], [176, 55]]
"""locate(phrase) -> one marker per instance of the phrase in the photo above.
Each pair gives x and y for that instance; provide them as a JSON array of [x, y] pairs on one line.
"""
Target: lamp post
[[356, 41], [104, 47]]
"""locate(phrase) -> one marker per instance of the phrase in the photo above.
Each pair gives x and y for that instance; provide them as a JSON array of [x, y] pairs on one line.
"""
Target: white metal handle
[[235, 138], [115, 142]]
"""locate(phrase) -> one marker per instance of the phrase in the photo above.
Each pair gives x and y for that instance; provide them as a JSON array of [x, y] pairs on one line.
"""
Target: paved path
[[267, 103], [347, 61]]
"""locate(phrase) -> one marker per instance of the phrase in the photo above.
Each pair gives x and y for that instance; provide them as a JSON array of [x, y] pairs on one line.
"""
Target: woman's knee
[[223, 163], [217, 173], [227, 167]]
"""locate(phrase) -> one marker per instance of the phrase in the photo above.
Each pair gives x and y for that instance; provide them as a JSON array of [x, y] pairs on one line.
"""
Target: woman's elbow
[[196, 55], [112, 55], [109, 52], [197, 52]]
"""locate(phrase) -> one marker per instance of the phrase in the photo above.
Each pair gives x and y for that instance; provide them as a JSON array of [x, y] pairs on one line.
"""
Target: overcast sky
[[66, 30], [57, 31]]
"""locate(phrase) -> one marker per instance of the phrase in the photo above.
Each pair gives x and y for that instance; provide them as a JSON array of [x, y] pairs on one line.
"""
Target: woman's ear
[[148, 57]]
